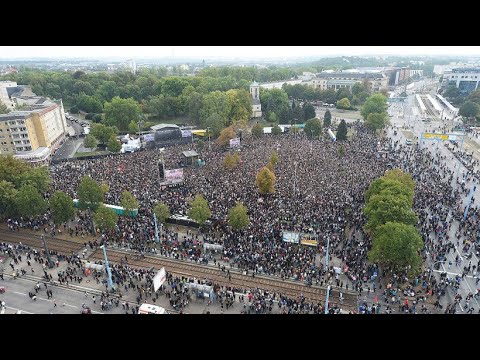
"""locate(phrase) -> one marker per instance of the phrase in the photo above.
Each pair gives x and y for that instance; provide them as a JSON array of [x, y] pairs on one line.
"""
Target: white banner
[[292, 237], [235, 142], [159, 279], [175, 174], [186, 133]]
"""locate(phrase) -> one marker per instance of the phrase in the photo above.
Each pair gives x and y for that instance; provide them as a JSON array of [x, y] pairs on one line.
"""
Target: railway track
[[312, 294], [428, 107], [59, 245]]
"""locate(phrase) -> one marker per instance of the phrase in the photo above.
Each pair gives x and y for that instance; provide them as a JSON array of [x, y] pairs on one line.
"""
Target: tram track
[[313, 294]]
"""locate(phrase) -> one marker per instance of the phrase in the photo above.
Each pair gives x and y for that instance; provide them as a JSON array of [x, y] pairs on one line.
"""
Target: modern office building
[[465, 79]]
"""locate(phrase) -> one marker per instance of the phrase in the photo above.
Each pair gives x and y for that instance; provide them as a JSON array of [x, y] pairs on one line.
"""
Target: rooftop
[[190, 153], [164, 126]]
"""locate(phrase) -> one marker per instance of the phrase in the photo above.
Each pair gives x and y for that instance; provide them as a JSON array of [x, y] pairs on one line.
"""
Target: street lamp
[[209, 145], [110, 282], [295, 178]]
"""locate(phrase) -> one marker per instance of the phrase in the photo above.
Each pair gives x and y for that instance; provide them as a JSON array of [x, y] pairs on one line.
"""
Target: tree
[[114, 145], [265, 181], [327, 119], [132, 127], [469, 109], [199, 211], [343, 104], [313, 128], [105, 188], [215, 123], [103, 133], [8, 194], [61, 207], [89, 104], [231, 161], [120, 112], [384, 185], [90, 194], [386, 207], [272, 117], [238, 217], [128, 202], [105, 218], [274, 158], [376, 121], [3, 108], [397, 246], [29, 202], [342, 130], [257, 130], [162, 212], [225, 136], [377, 103], [90, 142], [39, 177], [308, 111], [341, 151], [401, 176], [276, 130]]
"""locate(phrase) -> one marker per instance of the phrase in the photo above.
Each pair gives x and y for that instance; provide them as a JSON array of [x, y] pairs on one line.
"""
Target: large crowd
[[319, 190]]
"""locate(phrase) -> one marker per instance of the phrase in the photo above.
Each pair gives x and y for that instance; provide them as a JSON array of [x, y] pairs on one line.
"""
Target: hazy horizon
[[227, 52]]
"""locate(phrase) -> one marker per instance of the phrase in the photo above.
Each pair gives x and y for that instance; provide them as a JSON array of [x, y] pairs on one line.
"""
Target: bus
[[151, 309]]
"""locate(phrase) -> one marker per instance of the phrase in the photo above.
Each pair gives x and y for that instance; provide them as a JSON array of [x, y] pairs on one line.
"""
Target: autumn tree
[[265, 181], [225, 136]]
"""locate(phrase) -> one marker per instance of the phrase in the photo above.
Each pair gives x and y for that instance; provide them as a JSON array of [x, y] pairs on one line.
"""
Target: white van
[[151, 309]]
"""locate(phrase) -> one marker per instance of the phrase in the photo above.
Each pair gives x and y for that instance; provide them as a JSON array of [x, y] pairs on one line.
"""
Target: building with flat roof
[[464, 79], [344, 79], [34, 132]]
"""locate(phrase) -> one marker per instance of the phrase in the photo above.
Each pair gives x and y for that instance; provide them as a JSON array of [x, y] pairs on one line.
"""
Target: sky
[[98, 52]]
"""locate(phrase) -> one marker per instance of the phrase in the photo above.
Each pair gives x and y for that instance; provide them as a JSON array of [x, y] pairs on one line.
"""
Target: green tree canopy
[[265, 181], [120, 112], [376, 121], [199, 210], [343, 104], [383, 185], [29, 202], [342, 131], [105, 218], [215, 122], [257, 130], [313, 128], [276, 130], [8, 194], [272, 117], [327, 119], [103, 133], [90, 142], [3, 108], [469, 109], [398, 246], [377, 103], [238, 217], [386, 207], [308, 111], [399, 175], [90, 194], [114, 144], [128, 202], [39, 177], [162, 212], [61, 207], [274, 158], [132, 127]]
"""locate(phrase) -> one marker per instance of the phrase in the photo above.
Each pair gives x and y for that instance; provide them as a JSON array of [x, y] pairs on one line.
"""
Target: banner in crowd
[[159, 279], [235, 142], [149, 137], [186, 133], [308, 239], [292, 237], [174, 175]]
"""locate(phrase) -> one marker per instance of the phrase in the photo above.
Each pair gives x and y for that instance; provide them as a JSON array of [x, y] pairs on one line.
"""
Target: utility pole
[[157, 240], [110, 282], [326, 256], [50, 262], [209, 145], [326, 300], [295, 179], [469, 201]]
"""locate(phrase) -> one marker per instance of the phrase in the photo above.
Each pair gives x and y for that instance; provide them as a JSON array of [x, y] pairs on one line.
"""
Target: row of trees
[[105, 135], [374, 112], [391, 222]]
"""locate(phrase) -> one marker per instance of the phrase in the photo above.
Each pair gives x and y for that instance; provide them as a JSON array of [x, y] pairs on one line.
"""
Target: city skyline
[[227, 52]]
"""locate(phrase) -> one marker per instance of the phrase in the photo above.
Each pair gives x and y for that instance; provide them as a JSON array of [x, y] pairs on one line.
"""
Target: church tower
[[255, 94]]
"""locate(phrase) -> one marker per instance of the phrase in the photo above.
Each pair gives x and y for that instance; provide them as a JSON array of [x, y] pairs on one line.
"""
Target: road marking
[[450, 273], [23, 311], [19, 293]]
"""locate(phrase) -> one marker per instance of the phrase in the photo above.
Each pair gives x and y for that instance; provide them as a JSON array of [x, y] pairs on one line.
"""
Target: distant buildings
[[132, 66], [464, 79], [33, 131], [347, 79], [256, 106]]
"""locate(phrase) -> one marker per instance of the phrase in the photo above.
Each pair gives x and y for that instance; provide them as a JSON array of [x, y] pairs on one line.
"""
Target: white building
[[4, 96], [346, 79], [255, 94], [132, 65], [465, 79]]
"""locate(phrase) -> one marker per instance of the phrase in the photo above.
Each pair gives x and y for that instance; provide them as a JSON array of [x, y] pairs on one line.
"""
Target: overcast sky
[[10, 52]]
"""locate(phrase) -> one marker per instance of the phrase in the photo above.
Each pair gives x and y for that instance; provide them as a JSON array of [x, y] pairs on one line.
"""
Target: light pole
[[311, 143], [326, 300], [208, 131], [326, 256], [157, 240], [469, 200], [50, 262], [110, 282], [295, 178]]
